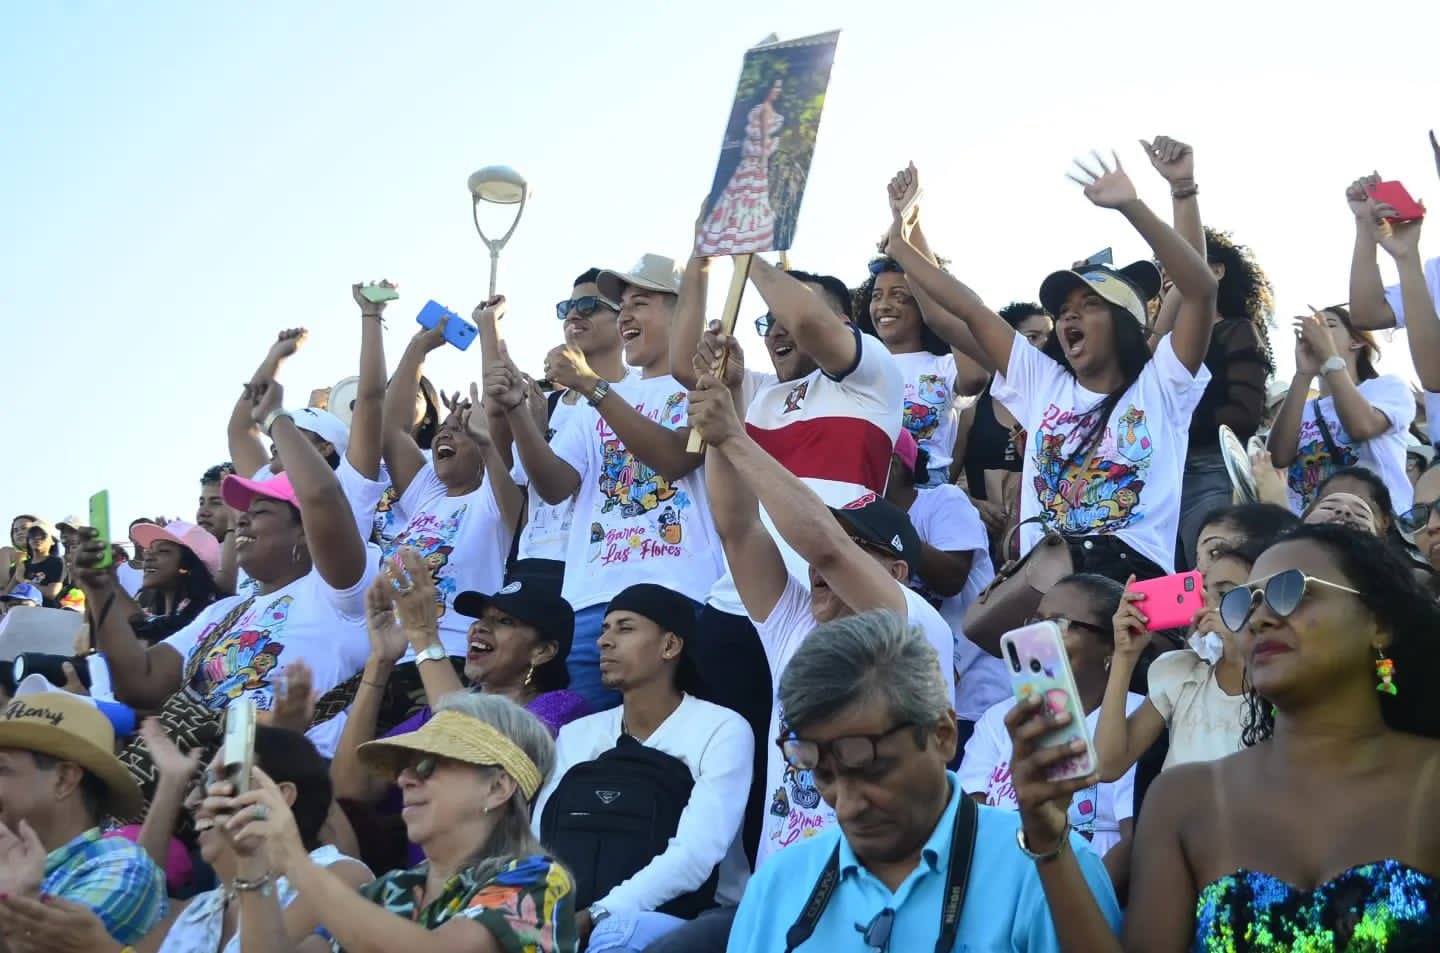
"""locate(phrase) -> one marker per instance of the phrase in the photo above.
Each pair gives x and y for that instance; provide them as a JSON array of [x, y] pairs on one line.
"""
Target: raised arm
[[1402, 242], [755, 561], [1361, 419], [1368, 307], [350, 778], [1284, 440], [803, 519], [689, 321], [1121, 740], [972, 370], [552, 478], [508, 497], [247, 450], [402, 453], [1187, 268], [989, 331], [817, 329], [335, 545], [366, 430]]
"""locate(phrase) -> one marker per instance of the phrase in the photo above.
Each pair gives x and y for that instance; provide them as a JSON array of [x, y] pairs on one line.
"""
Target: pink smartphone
[[1039, 666], [1395, 195], [1171, 601]]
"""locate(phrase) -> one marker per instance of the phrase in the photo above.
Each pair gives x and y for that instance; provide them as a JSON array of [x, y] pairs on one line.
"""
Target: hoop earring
[[1385, 671]]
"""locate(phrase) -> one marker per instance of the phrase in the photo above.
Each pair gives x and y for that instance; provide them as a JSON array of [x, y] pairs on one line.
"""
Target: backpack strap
[[1325, 433]]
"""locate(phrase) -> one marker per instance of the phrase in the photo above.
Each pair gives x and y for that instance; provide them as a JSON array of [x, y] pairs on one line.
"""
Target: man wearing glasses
[[912, 865]]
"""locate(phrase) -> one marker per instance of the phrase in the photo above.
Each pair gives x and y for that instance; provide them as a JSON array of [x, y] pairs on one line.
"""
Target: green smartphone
[[377, 294], [100, 519]]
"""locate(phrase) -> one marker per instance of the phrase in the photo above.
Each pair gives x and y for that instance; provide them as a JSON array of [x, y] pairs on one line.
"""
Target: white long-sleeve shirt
[[717, 746]]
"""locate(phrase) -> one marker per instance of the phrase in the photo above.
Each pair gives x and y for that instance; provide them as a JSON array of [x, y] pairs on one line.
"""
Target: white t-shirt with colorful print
[[1384, 454], [1129, 483], [304, 620], [463, 539], [631, 525], [930, 411]]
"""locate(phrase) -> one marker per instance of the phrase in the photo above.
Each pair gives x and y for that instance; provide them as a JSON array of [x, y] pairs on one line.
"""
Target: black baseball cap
[[882, 525], [533, 600]]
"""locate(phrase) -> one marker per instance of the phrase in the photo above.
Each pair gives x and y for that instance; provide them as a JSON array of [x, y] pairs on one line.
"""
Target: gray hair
[[512, 839], [845, 663]]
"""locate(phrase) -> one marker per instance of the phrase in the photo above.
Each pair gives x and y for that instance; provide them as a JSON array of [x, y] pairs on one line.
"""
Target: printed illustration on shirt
[[925, 405], [243, 658], [1314, 463], [433, 537], [796, 397], [1102, 491]]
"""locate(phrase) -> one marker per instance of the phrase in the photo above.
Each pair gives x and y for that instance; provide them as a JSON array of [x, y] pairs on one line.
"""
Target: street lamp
[[498, 185]]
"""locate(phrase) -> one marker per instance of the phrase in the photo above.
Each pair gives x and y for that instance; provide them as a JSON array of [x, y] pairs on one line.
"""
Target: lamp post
[[498, 185]]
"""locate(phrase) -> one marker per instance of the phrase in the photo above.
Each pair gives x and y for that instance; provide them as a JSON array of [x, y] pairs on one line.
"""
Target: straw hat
[[70, 728], [459, 737]]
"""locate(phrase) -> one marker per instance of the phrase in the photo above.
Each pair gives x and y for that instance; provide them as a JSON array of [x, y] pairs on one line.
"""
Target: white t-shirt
[[945, 518], [719, 749], [1204, 722], [794, 809], [1384, 454], [1129, 484], [931, 414], [1096, 810], [801, 423], [463, 539], [547, 529], [631, 525], [304, 620], [390, 516], [1432, 281]]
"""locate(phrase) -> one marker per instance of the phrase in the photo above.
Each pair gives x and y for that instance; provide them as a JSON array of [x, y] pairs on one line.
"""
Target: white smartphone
[[1040, 667]]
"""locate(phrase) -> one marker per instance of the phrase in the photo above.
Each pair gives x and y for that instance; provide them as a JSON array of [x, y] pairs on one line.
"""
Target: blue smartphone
[[1102, 257], [458, 331]]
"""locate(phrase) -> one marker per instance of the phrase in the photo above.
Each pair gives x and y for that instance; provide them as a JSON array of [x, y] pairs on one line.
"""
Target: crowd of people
[[656, 648]]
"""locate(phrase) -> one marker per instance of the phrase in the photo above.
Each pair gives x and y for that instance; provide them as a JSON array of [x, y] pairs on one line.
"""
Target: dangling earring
[[295, 553], [1385, 671], [530, 677], [184, 572]]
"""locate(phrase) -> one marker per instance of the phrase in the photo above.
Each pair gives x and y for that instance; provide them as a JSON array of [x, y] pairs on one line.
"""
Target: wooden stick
[[727, 326]]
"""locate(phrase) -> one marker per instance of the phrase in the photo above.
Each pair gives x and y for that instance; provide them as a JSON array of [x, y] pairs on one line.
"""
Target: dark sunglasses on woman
[[584, 307], [1282, 592], [1414, 519]]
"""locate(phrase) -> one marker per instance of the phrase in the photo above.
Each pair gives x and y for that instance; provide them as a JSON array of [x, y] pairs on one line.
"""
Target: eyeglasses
[[764, 323], [1416, 517], [424, 768], [584, 307], [1282, 592], [853, 753], [1065, 623]]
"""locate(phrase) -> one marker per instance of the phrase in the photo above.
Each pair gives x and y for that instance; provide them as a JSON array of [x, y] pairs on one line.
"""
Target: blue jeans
[[631, 934]]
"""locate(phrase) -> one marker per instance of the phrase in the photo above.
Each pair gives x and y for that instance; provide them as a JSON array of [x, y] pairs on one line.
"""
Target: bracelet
[[262, 884], [273, 416], [1185, 191], [1048, 855], [379, 685]]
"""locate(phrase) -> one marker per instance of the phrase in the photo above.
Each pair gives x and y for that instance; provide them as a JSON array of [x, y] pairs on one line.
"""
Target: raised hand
[[1357, 196], [712, 348], [416, 602], [1173, 159], [368, 308], [492, 309], [504, 384], [265, 397], [904, 194], [1131, 636], [712, 410], [1108, 188], [90, 551], [1399, 239], [294, 698], [262, 819], [1044, 804], [1313, 344], [287, 343], [431, 339], [472, 418], [173, 764], [566, 366], [388, 641], [22, 861]]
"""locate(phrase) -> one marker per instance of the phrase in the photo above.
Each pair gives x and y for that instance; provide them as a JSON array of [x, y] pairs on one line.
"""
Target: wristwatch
[[601, 391], [273, 416], [597, 913], [434, 652], [1331, 365]]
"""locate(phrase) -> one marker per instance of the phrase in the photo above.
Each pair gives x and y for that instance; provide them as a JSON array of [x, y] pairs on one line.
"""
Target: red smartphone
[[1394, 195], [1171, 601]]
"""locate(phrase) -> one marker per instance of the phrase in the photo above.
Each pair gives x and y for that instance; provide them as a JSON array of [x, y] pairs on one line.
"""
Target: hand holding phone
[[379, 294], [1040, 668], [458, 332], [238, 748], [100, 520], [1395, 195], [1170, 602]]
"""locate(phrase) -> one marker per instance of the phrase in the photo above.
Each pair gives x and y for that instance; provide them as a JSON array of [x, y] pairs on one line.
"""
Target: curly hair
[[1245, 291], [1393, 595]]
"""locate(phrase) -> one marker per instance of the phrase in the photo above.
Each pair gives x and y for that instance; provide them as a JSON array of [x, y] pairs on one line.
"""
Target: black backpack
[[610, 817]]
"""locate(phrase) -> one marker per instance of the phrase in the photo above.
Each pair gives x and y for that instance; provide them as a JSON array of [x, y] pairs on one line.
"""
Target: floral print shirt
[[529, 906]]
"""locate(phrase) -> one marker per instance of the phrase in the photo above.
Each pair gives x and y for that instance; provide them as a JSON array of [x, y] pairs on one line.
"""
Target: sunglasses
[[1282, 592], [584, 307], [764, 323], [424, 768], [1416, 517], [855, 753], [882, 266]]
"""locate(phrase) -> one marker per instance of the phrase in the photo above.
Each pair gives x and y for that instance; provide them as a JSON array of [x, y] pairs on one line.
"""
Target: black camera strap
[[957, 878]]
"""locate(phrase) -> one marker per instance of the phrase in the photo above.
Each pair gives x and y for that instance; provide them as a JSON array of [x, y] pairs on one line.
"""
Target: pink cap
[[238, 491], [907, 448], [192, 537]]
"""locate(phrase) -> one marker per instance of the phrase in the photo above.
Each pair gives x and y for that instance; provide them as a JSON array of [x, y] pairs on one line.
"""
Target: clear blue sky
[[181, 180]]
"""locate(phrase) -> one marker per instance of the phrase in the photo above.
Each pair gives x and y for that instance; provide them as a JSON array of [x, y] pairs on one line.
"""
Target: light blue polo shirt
[[1004, 908]]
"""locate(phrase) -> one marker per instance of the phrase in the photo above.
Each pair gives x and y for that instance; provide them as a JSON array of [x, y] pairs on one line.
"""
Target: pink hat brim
[[238, 492], [197, 540]]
